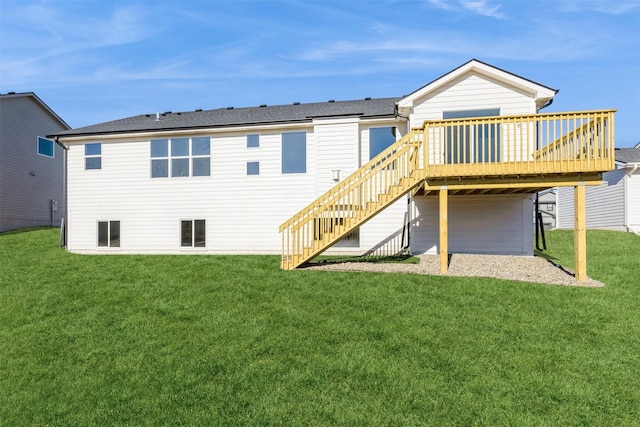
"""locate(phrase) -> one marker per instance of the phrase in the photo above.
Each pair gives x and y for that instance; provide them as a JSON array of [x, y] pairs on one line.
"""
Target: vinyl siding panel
[[565, 211], [28, 181], [242, 211], [337, 145], [471, 92], [604, 203], [633, 201], [477, 225]]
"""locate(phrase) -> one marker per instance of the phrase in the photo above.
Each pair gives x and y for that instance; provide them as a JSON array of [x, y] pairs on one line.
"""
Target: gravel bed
[[522, 268]]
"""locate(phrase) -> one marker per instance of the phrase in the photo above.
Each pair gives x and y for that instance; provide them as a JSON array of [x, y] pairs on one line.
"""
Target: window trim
[[394, 132], [169, 158], [109, 245], [257, 163], [193, 230], [257, 140], [53, 147], [298, 169], [92, 156]]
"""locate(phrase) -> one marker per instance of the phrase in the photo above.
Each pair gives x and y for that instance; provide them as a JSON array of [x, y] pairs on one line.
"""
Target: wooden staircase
[[354, 201]]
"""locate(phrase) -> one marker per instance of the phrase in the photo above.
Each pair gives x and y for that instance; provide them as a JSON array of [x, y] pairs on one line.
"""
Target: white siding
[[604, 203], [633, 201], [477, 224], [337, 150], [242, 212], [471, 92]]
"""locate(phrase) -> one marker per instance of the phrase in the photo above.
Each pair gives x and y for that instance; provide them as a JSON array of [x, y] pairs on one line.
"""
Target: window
[[471, 143], [181, 157], [380, 139], [45, 147], [193, 233], [326, 225], [549, 206], [351, 240], [294, 152], [253, 140], [109, 234], [253, 168], [93, 156]]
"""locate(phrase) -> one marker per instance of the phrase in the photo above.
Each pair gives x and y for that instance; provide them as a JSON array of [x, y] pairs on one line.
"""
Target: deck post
[[580, 232], [444, 232]]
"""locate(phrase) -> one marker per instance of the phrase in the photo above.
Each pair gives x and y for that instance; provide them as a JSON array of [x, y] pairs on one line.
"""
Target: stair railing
[[352, 202]]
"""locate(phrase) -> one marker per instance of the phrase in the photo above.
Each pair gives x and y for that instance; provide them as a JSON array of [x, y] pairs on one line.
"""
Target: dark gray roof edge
[[176, 128], [40, 101], [136, 124]]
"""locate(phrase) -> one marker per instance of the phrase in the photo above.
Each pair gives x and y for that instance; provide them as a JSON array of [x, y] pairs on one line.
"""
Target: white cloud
[[618, 7], [479, 7]]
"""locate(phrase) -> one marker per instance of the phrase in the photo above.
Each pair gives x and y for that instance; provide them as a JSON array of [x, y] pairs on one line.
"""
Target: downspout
[[63, 232], [537, 203], [407, 225]]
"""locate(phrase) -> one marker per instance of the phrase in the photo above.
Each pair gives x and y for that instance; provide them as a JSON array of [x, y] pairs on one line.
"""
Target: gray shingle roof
[[628, 155], [221, 117]]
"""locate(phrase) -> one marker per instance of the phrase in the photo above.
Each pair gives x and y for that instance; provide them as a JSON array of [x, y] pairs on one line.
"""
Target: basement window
[[109, 234], [193, 233]]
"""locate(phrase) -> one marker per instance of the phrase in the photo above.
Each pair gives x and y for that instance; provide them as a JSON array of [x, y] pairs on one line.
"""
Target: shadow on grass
[[553, 260], [338, 259]]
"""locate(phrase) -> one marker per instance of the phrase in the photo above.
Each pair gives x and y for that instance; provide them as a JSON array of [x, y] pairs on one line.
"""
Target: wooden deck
[[502, 154]]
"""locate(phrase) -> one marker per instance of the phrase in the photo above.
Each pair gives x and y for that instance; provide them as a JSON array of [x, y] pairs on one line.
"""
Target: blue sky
[[98, 60]]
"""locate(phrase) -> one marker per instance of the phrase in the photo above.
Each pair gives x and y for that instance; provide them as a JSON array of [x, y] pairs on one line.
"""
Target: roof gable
[[542, 94], [39, 102]]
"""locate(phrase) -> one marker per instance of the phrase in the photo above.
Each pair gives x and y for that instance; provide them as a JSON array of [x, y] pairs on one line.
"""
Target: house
[[31, 166], [451, 167], [615, 205], [547, 208]]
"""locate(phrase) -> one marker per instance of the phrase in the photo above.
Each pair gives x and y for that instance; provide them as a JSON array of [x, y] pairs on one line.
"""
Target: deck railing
[[519, 145], [504, 146]]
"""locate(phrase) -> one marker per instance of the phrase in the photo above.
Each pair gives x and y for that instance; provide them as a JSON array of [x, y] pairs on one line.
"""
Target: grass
[[233, 340]]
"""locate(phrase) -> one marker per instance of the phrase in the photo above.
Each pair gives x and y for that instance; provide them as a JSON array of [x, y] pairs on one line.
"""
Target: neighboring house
[[452, 167], [547, 207], [31, 166], [615, 205]]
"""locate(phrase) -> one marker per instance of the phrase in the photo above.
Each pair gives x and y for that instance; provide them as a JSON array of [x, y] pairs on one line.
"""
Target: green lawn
[[233, 340]]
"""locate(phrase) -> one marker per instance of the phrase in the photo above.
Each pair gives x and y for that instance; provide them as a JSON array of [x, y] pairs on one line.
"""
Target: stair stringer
[[351, 203]]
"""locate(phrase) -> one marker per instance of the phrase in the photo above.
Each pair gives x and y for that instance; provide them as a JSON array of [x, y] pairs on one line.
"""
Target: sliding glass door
[[467, 143]]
